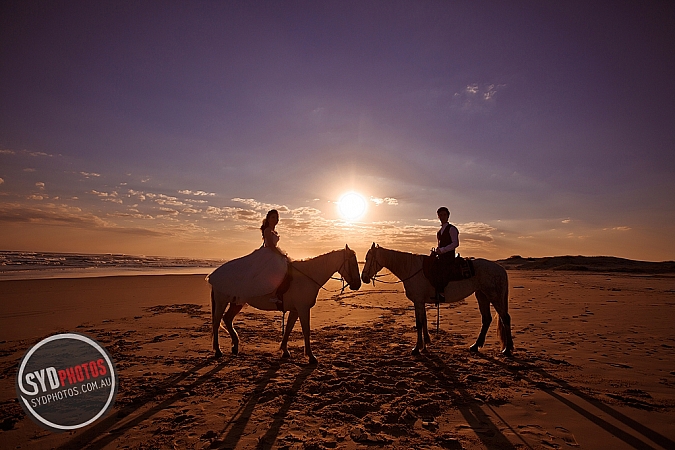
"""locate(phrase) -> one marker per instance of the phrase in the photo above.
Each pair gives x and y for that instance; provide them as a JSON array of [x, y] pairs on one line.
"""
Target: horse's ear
[[347, 247], [373, 246]]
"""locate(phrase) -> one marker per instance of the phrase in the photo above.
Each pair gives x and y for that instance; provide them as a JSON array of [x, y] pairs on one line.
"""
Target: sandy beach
[[593, 367]]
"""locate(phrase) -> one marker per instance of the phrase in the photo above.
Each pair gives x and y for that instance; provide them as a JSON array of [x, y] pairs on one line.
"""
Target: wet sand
[[593, 367]]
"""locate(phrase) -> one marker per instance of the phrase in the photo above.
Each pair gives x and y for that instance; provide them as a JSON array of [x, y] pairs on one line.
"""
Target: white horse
[[308, 277], [490, 284]]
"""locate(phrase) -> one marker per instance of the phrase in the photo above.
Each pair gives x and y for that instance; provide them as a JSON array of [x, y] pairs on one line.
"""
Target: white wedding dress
[[254, 275]]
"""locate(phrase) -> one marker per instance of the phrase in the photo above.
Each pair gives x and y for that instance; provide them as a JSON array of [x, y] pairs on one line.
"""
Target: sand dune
[[588, 264], [592, 368]]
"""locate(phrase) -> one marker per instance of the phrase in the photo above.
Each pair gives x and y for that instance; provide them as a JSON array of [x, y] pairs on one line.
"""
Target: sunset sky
[[170, 128]]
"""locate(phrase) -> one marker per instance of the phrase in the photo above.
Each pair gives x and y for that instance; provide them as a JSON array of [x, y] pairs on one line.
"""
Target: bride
[[257, 274]]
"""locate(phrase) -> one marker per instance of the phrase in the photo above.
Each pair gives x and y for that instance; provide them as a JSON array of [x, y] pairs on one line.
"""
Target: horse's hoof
[[474, 348], [415, 352], [235, 350], [285, 354], [508, 353], [218, 354], [313, 360]]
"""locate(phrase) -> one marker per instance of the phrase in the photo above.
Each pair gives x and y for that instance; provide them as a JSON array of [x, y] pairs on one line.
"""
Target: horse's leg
[[304, 321], [232, 311], [420, 326], [504, 326], [217, 309], [292, 317], [484, 307], [425, 328]]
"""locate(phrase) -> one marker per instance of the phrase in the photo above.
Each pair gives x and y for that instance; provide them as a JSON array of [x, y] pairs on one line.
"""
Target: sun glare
[[352, 206]]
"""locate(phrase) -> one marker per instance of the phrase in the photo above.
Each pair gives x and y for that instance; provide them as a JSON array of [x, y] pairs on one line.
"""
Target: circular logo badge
[[66, 381]]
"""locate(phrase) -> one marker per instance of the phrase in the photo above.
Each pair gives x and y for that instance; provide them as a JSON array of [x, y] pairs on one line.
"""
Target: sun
[[352, 206]]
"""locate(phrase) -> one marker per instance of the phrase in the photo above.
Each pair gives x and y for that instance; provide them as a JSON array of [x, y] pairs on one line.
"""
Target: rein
[[342, 279], [342, 290], [376, 276]]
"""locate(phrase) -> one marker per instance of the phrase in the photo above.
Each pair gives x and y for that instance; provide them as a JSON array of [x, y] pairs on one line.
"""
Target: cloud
[[228, 212], [167, 211], [476, 98], [107, 196], [104, 194], [617, 229], [25, 152], [90, 174], [259, 206], [139, 195], [197, 193], [475, 233], [168, 200], [388, 200], [305, 211], [138, 231], [40, 185], [49, 214], [1, 181], [134, 214]]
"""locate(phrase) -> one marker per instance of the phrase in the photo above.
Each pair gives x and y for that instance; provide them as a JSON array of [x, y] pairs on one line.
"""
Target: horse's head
[[370, 269], [350, 269]]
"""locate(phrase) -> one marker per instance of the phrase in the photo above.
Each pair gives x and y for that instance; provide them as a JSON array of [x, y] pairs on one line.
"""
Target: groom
[[448, 241]]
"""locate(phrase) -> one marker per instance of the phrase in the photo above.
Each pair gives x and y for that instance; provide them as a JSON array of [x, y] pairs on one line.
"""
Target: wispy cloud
[[197, 193], [475, 97], [260, 206], [617, 229], [90, 174], [228, 212], [25, 152], [388, 200], [107, 196], [35, 154]]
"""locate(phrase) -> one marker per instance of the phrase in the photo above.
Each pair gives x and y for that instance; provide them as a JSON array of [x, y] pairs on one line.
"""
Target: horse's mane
[[410, 261], [315, 257], [401, 252]]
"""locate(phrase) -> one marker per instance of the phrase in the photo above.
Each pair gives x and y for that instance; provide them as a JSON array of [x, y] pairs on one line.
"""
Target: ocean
[[28, 265]]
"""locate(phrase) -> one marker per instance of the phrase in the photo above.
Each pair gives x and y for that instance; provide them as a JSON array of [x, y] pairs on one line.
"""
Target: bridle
[[375, 275], [341, 279]]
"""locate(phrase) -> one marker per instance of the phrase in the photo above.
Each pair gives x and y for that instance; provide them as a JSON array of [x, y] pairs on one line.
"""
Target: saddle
[[441, 271]]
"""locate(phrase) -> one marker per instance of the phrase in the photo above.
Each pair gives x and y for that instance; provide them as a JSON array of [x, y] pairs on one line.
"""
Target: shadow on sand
[[477, 419], [120, 422], [626, 437], [242, 416]]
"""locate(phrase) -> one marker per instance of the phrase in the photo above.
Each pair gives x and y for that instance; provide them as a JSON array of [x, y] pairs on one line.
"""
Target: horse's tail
[[504, 322], [213, 309], [501, 334]]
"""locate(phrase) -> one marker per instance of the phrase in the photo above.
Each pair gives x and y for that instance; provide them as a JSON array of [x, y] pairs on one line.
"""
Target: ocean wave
[[20, 261]]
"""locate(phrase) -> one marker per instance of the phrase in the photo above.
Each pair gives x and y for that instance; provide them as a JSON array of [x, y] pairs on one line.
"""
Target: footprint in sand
[[565, 435], [545, 438]]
